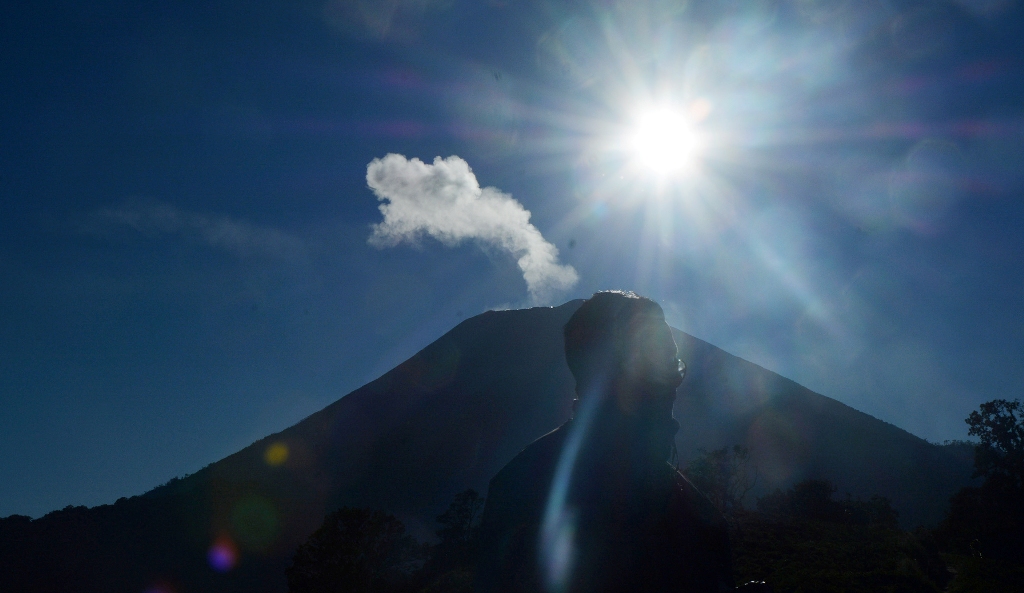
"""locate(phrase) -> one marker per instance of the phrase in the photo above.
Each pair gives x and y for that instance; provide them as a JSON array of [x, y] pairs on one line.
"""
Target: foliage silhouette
[[812, 500], [459, 522], [803, 540], [800, 555], [985, 575], [458, 532], [357, 551], [723, 475], [989, 519], [999, 457], [450, 566], [366, 550]]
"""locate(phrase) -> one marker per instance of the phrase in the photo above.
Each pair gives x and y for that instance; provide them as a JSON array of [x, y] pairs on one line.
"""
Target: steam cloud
[[445, 201]]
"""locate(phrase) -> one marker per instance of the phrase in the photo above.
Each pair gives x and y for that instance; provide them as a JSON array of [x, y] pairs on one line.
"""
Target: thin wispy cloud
[[238, 237], [444, 201]]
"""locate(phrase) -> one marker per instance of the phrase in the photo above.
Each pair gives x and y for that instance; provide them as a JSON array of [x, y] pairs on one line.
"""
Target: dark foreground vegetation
[[806, 542], [801, 540], [806, 539], [364, 550]]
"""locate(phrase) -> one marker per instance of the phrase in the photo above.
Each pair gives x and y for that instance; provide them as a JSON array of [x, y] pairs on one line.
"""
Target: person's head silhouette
[[592, 506], [620, 349]]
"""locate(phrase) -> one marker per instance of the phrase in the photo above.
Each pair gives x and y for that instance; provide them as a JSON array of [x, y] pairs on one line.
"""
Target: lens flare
[[276, 454], [254, 522], [557, 547], [223, 554]]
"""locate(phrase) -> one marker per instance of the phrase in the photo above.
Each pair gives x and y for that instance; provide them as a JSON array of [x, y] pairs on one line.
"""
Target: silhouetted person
[[594, 506]]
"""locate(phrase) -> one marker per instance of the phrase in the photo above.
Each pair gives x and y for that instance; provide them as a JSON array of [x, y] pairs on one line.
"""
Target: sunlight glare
[[664, 141]]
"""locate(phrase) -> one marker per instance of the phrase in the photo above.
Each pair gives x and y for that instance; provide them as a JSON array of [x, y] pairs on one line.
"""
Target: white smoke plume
[[444, 201]]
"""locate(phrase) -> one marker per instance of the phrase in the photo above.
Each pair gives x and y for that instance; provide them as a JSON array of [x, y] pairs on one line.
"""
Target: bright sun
[[664, 141]]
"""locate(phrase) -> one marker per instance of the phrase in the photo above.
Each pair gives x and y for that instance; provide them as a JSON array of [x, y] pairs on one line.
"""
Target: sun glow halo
[[664, 141]]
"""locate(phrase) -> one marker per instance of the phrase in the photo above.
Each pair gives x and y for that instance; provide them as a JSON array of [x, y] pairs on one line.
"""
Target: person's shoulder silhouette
[[594, 506]]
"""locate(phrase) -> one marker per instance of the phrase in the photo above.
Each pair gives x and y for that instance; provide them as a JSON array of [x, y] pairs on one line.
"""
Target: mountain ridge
[[447, 419]]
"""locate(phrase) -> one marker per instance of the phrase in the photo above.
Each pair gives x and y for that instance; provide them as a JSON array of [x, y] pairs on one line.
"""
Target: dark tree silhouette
[[357, 551], [450, 567], [989, 520], [999, 456], [458, 523], [812, 500], [805, 539], [725, 476]]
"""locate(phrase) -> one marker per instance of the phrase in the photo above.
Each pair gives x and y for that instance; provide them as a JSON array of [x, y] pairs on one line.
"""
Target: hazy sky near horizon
[[203, 238]]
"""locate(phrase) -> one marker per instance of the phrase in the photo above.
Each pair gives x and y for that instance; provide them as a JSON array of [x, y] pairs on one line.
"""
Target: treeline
[[798, 540], [797, 537], [367, 550], [804, 539], [725, 476], [85, 549]]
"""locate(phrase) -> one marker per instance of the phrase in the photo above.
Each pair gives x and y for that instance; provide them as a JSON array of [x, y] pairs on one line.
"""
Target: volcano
[[445, 420]]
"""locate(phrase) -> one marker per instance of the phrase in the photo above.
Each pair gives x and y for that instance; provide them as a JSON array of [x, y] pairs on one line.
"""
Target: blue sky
[[193, 255]]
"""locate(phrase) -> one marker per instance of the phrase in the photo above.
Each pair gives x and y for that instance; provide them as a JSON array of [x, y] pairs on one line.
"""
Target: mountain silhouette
[[445, 420]]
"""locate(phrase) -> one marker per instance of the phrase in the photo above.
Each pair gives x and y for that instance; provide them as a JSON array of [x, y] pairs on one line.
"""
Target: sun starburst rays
[[664, 142]]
